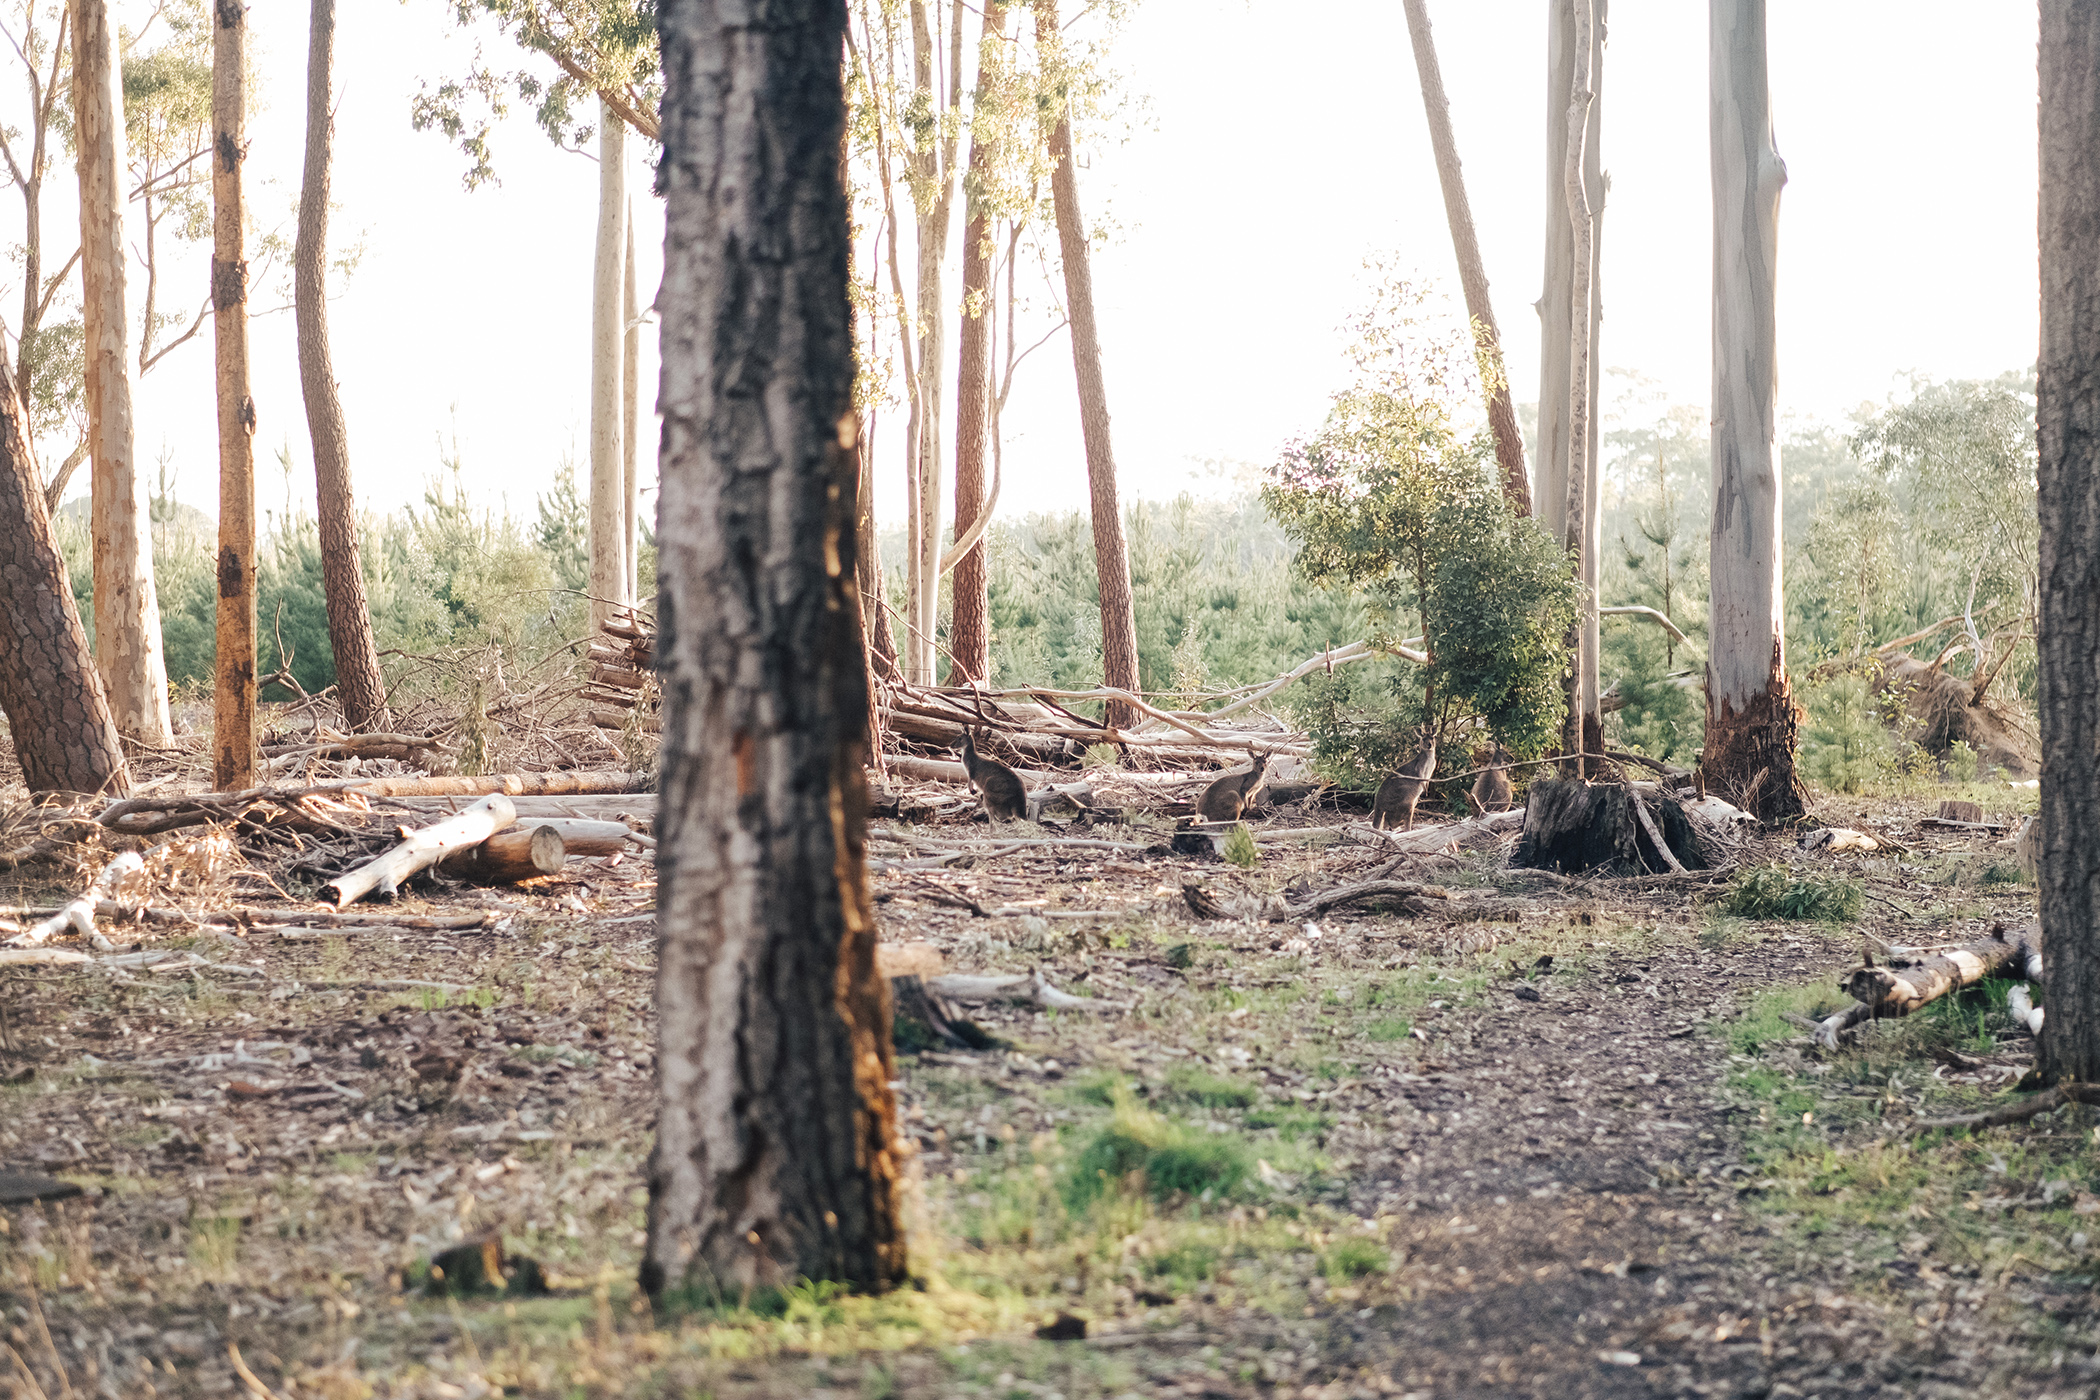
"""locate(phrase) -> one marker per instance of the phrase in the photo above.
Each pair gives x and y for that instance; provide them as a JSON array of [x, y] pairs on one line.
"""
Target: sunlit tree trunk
[[1751, 718], [969, 628], [233, 688], [608, 575], [638, 588], [1549, 487], [127, 612], [1111, 556], [2068, 646], [776, 1158], [1580, 532], [358, 681], [1472, 272], [64, 736]]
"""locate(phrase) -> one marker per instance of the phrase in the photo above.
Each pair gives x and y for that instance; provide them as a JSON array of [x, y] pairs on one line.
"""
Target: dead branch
[[79, 914], [1353, 894], [424, 848], [2016, 1112], [1901, 988]]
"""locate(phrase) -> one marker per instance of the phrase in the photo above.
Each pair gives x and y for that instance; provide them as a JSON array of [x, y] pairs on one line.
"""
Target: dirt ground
[[1550, 1154]]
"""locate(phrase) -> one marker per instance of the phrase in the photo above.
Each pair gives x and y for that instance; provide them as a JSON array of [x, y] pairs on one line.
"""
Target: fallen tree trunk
[[963, 987], [582, 837], [1903, 986], [1353, 894], [422, 849], [78, 914], [523, 853], [611, 782]]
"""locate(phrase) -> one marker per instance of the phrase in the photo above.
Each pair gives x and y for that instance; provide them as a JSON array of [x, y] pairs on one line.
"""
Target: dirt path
[[1471, 1172]]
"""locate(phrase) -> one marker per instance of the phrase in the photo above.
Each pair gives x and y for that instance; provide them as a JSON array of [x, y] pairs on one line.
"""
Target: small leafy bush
[[1775, 892], [1162, 1157], [1240, 848]]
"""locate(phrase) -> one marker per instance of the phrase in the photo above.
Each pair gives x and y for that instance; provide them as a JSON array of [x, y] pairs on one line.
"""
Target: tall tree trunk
[[1584, 733], [1472, 273], [609, 596], [357, 676], [1119, 660], [969, 628], [776, 1155], [1549, 485], [127, 612], [631, 426], [64, 736], [1751, 718], [933, 189], [233, 674], [2068, 423]]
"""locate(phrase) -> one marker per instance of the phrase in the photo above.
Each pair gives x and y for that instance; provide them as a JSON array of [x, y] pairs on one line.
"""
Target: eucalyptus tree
[[1581, 524], [1752, 720], [359, 683], [233, 668], [127, 611], [776, 1157], [2069, 421]]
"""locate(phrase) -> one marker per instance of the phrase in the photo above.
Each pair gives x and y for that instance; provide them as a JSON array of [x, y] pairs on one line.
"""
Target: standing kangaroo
[[1491, 790], [1398, 794], [1005, 795], [1227, 797]]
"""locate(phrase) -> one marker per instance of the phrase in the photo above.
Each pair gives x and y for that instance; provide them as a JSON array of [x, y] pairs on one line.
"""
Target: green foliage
[[1165, 1158], [563, 529], [1212, 1091], [1775, 892], [1354, 1257], [1660, 718], [1240, 849], [1390, 501], [1846, 745]]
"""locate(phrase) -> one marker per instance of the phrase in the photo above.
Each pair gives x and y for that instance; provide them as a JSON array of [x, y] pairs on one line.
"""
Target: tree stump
[[1578, 828]]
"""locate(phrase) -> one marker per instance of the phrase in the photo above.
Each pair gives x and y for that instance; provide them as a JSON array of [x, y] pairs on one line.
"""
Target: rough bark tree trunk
[[969, 627], [64, 736], [609, 597], [2068, 423], [1549, 487], [1584, 733], [1472, 272], [776, 1157], [233, 675], [1751, 717], [1119, 661], [127, 612], [357, 676], [631, 426]]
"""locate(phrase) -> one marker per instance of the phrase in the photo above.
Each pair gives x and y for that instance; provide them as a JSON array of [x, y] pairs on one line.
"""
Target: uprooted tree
[[776, 1156]]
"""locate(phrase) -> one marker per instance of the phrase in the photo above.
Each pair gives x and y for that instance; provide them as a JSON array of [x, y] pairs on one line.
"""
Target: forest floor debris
[[1547, 1135]]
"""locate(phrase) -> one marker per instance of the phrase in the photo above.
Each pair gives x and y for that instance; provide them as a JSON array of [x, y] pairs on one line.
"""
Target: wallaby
[[1227, 797], [2027, 846], [1398, 794], [1491, 790], [1005, 795]]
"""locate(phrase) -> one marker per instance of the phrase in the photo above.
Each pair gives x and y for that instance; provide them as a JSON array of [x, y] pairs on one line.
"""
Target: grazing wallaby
[[1005, 795], [1491, 790], [1398, 794], [1227, 797]]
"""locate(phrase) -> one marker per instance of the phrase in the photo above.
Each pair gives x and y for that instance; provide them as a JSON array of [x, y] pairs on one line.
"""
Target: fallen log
[[1354, 894], [2018, 1112], [522, 853], [78, 914], [582, 837], [608, 782], [1902, 987], [935, 770], [422, 849], [41, 957], [963, 987]]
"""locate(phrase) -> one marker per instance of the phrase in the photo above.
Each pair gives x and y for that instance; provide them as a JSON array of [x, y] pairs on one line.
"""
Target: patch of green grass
[[1354, 1258], [215, 1246], [1765, 1018], [1288, 1121], [1165, 1158], [1389, 1028], [1240, 848], [1198, 1085], [1775, 892]]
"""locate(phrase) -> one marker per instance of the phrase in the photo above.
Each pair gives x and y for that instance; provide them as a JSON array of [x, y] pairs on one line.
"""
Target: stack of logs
[[621, 679], [485, 842]]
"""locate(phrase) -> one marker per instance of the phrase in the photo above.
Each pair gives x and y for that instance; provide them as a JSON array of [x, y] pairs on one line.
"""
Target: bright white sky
[[1284, 143]]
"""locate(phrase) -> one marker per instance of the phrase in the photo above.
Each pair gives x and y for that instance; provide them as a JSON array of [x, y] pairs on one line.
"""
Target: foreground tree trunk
[[969, 627], [609, 595], [127, 612], [1472, 272], [1751, 718], [233, 672], [631, 428], [775, 1157], [2068, 423], [64, 736], [358, 681], [1549, 487], [1119, 662]]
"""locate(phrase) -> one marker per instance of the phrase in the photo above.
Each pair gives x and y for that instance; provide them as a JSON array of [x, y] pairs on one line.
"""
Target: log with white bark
[[1901, 988], [963, 987], [506, 857], [421, 849], [79, 914]]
